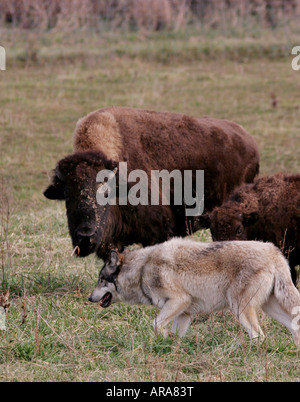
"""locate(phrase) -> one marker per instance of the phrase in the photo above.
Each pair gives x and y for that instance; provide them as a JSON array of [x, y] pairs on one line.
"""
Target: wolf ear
[[114, 258], [250, 219], [112, 265]]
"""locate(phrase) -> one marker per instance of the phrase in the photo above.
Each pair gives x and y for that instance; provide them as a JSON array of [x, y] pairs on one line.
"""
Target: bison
[[146, 140], [267, 210]]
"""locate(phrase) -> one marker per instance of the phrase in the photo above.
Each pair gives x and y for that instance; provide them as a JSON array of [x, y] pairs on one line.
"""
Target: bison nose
[[86, 235]]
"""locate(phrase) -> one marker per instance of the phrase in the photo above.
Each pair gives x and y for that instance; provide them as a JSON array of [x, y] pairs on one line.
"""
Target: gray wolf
[[183, 277], [146, 140]]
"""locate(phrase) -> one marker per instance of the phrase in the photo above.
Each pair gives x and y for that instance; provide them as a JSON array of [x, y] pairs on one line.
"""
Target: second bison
[[267, 210]]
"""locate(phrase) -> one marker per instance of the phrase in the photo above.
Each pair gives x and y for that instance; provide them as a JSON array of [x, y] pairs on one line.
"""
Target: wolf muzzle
[[105, 301]]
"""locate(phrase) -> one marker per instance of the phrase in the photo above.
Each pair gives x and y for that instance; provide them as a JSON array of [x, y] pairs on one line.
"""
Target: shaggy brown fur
[[268, 210], [148, 140], [99, 131]]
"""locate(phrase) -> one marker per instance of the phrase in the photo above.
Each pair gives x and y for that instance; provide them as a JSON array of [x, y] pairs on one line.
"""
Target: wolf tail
[[284, 290], [288, 298]]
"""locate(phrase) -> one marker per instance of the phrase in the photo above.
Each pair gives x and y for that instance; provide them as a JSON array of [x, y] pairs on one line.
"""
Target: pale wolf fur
[[183, 277]]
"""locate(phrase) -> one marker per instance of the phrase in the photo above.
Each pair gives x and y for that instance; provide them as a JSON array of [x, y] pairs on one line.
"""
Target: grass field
[[53, 333]]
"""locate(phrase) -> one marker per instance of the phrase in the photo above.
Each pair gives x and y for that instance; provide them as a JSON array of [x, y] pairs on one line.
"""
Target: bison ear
[[204, 221], [55, 191], [250, 219]]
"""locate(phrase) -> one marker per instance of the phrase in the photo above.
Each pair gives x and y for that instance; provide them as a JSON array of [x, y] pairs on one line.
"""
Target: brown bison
[[267, 210], [146, 140]]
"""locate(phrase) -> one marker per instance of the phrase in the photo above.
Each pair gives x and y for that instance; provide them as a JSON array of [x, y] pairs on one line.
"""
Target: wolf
[[183, 277]]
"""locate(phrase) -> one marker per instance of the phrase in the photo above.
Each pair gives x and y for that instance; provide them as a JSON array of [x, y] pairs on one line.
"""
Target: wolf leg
[[273, 309], [248, 318], [172, 308], [181, 324]]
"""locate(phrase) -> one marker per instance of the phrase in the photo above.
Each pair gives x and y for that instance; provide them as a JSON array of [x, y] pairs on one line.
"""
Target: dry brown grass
[[149, 15]]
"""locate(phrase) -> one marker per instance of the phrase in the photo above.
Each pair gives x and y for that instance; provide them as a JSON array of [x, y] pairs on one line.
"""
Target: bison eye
[[66, 195], [239, 231]]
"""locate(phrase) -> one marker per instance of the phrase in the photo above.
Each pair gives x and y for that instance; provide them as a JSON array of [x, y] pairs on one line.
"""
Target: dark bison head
[[229, 223], [74, 181]]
